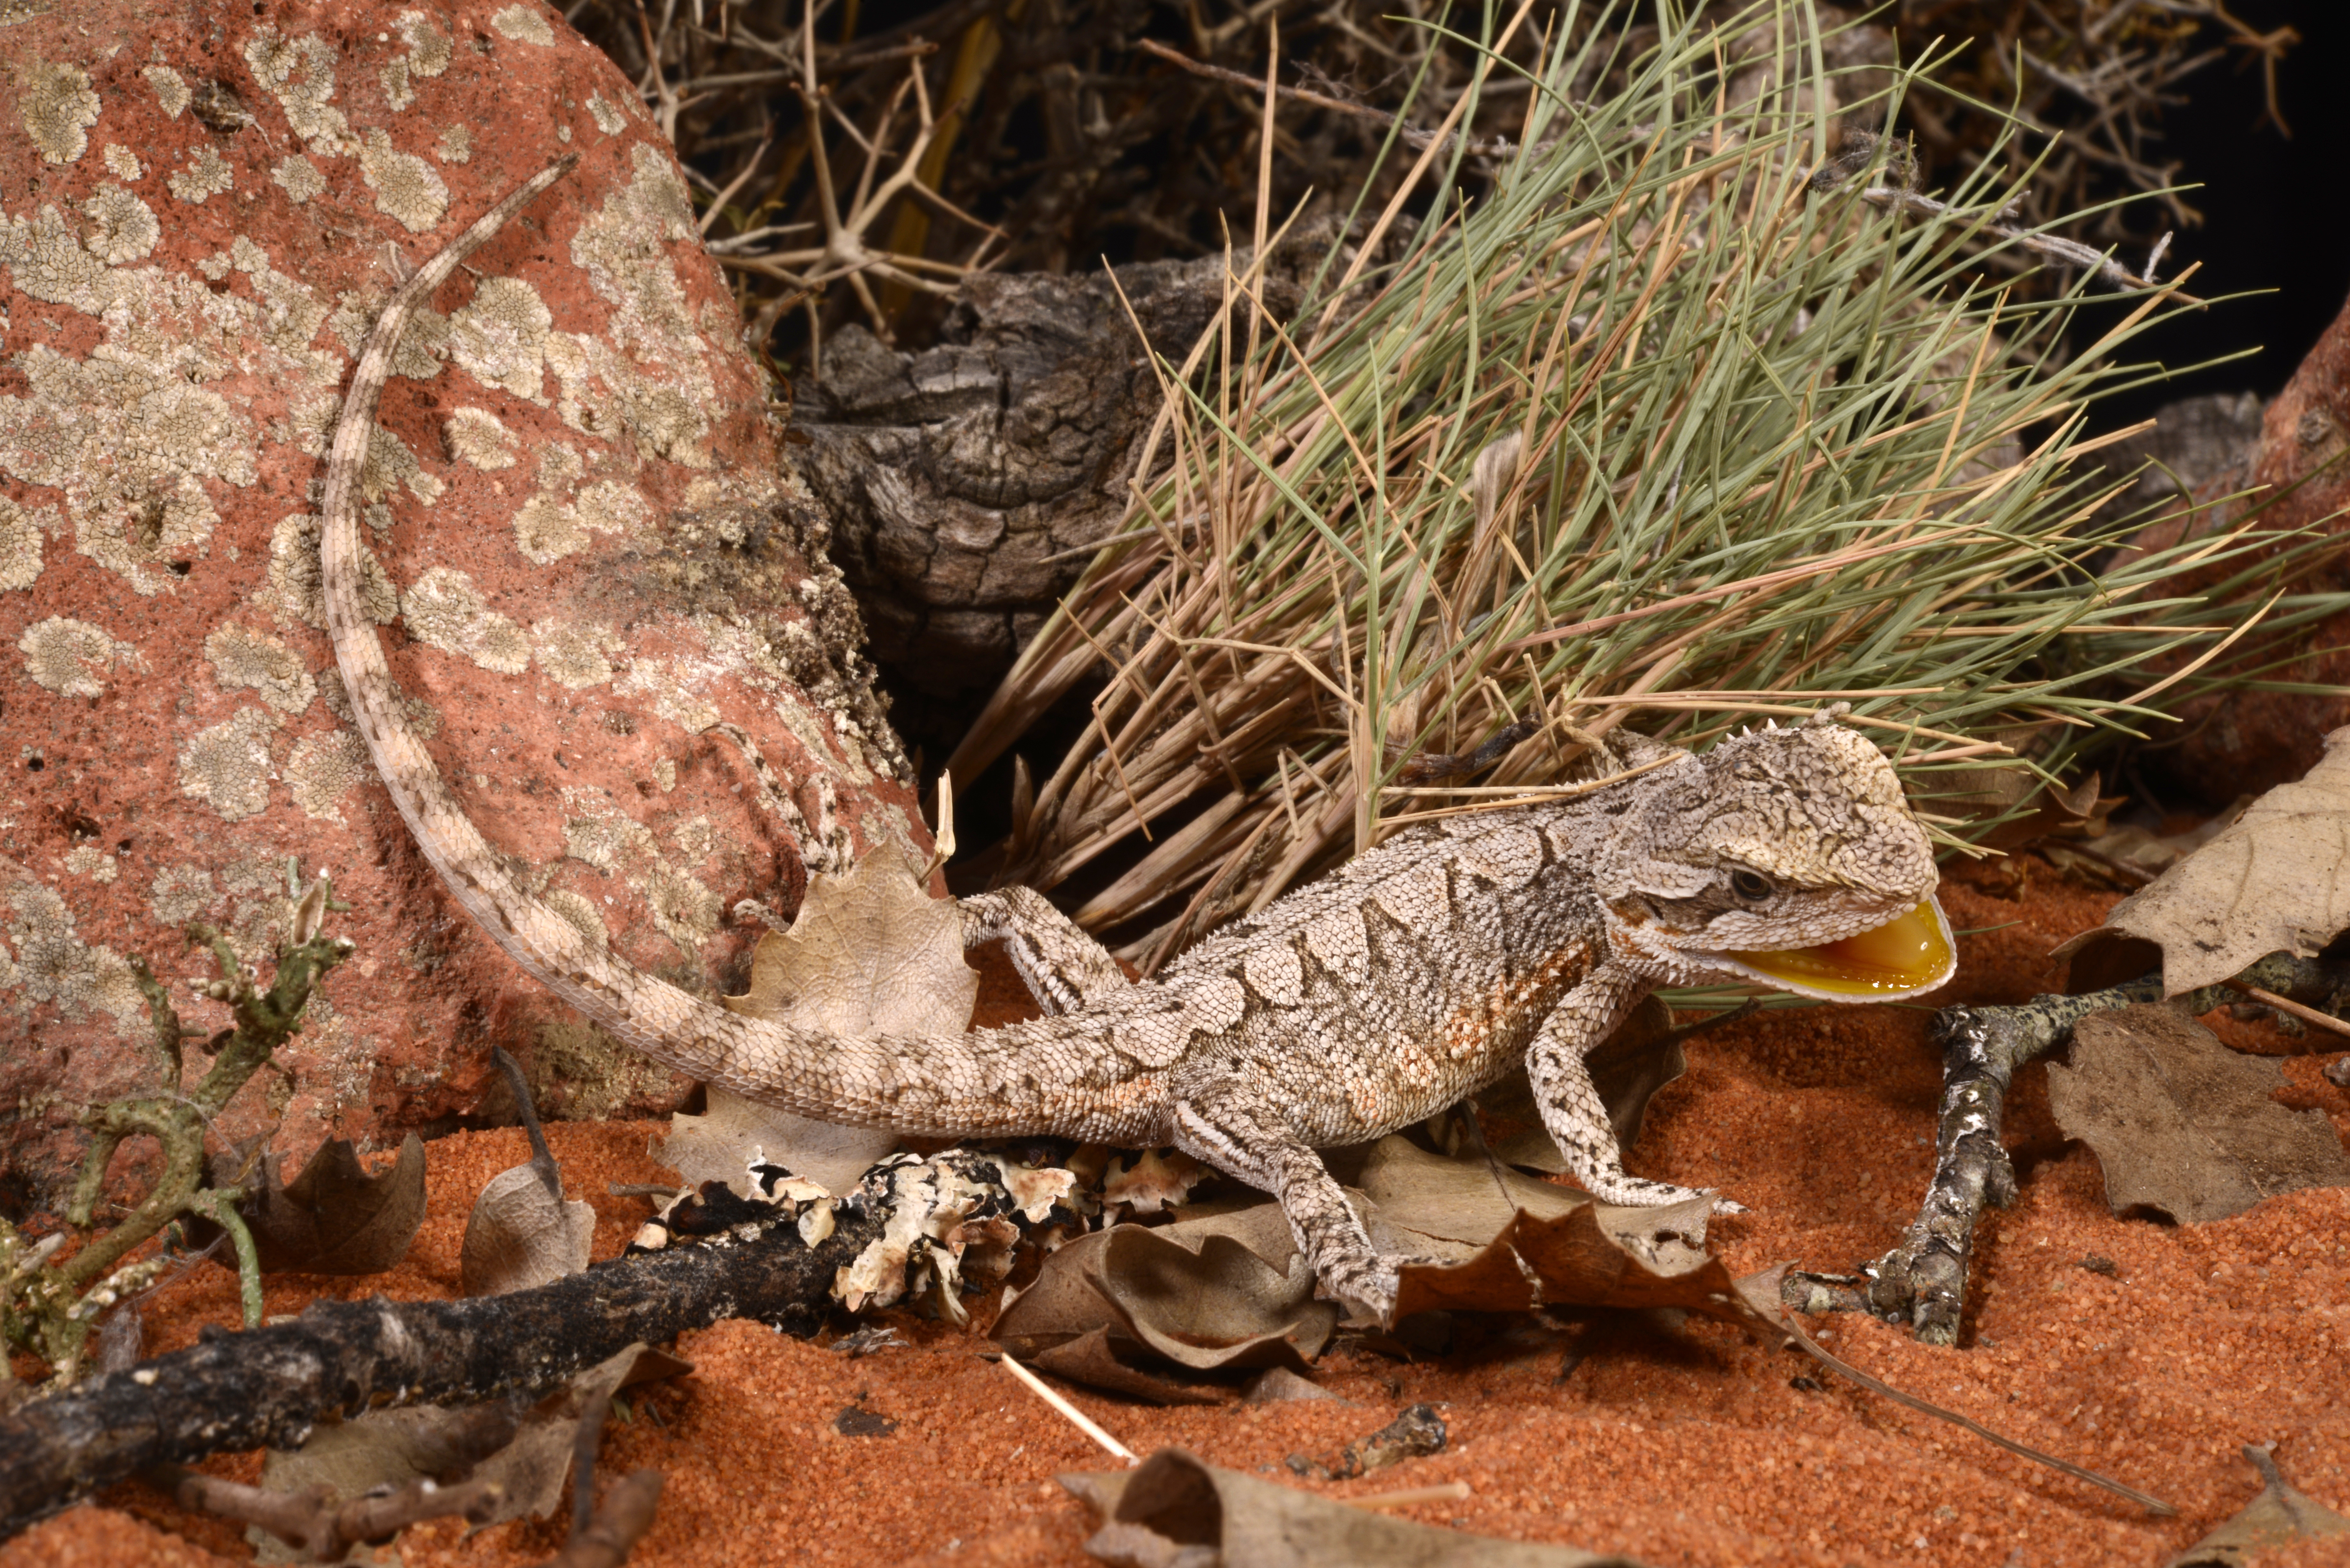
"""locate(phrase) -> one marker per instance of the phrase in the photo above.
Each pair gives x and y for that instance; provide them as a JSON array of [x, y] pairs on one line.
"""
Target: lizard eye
[[1751, 883]]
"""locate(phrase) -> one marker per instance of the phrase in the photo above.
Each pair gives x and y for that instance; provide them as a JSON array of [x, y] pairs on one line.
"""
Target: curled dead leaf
[[1175, 1507], [2269, 882], [2180, 1124], [336, 1217], [520, 1235], [526, 1453], [2281, 1515]]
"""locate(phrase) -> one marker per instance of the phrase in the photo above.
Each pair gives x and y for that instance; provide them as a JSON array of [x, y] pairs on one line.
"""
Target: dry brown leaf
[[1628, 1068], [529, 1454], [2279, 1516], [1174, 1503], [1093, 1359], [871, 954], [2182, 1125], [1210, 1303], [1156, 1178], [2275, 881], [523, 1234], [1200, 1293], [336, 1218]]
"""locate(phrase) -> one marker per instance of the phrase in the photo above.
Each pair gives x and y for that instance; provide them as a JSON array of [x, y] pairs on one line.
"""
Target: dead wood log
[[268, 1387]]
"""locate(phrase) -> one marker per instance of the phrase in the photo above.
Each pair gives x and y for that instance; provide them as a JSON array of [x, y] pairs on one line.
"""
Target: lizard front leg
[[1064, 969], [1226, 1126], [1571, 1108]]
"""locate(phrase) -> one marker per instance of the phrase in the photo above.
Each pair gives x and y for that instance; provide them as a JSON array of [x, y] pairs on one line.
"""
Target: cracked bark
[[965, 482], [266, 1388]]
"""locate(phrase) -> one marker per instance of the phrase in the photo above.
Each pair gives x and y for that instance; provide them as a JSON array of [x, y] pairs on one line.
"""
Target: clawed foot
[[1369, 1287]]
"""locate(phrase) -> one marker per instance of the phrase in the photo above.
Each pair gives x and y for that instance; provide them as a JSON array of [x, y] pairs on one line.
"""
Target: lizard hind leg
[[1227, 1127], [1063, 967]]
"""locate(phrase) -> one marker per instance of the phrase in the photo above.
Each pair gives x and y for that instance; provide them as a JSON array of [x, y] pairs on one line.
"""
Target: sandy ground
[[1683, 1444]]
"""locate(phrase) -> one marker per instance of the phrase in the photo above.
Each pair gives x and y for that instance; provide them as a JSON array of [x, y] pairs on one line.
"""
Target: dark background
[[2269, 215]]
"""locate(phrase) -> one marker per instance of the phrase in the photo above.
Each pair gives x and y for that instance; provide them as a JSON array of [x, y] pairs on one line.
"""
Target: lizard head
[[1783, 857]]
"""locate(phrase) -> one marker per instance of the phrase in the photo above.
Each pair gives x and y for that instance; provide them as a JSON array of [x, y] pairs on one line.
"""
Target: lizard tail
[[941, 1086]]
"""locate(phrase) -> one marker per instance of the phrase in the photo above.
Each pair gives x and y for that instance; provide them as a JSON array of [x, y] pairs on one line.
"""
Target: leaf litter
[[2181, 1125], [1177, 1511], [870, 952], [522, 1233], [526, 1454], [2279, 1516], [336, 1217], [2277, 879]]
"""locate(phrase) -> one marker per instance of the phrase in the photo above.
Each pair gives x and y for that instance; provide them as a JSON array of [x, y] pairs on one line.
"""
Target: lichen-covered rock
[[585, 561]]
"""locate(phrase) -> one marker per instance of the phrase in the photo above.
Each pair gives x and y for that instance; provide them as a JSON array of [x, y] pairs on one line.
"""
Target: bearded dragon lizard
[[1412, 976]]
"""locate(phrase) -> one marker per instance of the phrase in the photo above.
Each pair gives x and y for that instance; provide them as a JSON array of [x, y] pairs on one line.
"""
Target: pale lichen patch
[[671, 698], [546, 529], [297, 177], [524, 25], [70, 657], [696, 838], [572, 656], [429, 48], [389, 463], [243, 658], [207, 175], [455, 146], [128, 535], [54, 965], [499, 337], [180, 893], [227, 765], [300, 74], [122, 227], [58, 108], [607, 841], [20, 544], [121, 162], [623, 248], [171, 89], [445, 610], [607, 114], [405, 186], [294, 592], [323, 768], [89, 860], [479, 437], [397, 94], [49, 263], [686, 911]]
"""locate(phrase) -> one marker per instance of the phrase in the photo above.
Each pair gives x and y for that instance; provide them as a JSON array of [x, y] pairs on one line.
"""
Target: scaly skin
[[1370, 1000]]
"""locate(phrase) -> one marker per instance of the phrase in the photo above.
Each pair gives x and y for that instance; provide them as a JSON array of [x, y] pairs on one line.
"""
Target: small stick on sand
[[2267, 998], [1077, 1416]]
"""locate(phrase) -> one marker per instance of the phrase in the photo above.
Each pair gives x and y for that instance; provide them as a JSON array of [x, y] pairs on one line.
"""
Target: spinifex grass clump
[[1701, 415]]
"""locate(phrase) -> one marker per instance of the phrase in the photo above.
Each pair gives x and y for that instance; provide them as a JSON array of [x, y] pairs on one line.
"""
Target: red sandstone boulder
[[2249, 742], [588, 558]]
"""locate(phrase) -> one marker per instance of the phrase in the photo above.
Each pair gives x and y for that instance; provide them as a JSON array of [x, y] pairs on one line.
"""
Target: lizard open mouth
[[1907, 954]]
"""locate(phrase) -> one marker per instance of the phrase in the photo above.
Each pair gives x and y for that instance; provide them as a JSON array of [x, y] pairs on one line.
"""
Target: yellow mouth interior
[[1908, 952]]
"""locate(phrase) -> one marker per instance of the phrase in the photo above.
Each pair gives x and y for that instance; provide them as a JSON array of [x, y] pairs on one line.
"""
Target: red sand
[[1680, 1446]]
